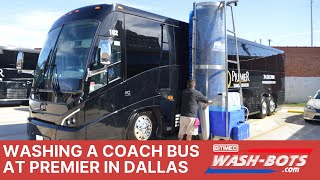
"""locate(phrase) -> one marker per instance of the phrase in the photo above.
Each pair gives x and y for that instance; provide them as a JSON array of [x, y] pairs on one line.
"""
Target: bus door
[[103, 81], [168, 76]]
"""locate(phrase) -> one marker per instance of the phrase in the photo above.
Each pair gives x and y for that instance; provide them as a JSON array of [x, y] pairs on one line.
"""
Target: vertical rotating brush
[[207, 59]]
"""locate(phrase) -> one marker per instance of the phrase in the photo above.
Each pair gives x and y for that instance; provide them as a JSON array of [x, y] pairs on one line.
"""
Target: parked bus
[[116, 72], [16, 74], [262, 76]]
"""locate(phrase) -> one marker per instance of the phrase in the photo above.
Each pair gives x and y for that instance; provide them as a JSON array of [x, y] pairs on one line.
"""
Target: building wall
[[302, 71], [297, 89]]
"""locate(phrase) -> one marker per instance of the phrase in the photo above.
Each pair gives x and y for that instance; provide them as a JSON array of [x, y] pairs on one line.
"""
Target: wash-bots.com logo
[[230, 159]]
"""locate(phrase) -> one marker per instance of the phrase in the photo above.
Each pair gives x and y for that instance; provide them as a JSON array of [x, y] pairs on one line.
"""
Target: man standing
[[189, 110]]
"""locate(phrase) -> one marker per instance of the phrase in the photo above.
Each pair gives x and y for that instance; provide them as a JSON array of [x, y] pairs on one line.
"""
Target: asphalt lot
[[281, 126]]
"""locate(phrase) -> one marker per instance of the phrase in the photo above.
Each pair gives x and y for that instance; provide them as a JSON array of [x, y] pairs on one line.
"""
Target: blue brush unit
[[241, 131], [218, 120], [208, 66]]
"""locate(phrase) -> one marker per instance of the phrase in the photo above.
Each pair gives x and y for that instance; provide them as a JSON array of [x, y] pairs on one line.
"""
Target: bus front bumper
[[39, 130]]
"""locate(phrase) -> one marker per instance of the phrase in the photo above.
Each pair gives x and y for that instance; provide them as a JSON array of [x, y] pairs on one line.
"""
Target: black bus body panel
[[153, 66], [264, 67]]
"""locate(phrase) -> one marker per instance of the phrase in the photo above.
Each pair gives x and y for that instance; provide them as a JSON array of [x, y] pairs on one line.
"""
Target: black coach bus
[[262, 76], [16, 74], [115, 72]]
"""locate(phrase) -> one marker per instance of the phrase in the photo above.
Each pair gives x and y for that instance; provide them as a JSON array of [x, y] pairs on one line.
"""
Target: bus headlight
[[71, 119], [71, 122]]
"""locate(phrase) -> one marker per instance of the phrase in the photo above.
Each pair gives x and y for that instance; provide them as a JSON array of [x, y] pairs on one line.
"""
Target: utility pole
[[260, 41], [311, 1]]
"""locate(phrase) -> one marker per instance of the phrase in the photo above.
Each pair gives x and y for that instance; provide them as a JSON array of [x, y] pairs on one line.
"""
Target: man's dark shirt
[[190, 99]]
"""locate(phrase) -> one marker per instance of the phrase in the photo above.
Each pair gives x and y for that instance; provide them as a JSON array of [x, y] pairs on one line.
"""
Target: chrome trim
[[6, 100], [217, 67], [73, 113], [96, 72], [99, 71], [116, 79], [177, 120], [25, 71], [143, 128]]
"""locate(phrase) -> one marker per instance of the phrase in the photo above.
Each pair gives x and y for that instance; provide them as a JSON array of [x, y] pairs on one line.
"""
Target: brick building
[[302, 71]]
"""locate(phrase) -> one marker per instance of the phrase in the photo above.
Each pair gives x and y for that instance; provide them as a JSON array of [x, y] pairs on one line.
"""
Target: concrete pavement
[[284, 126], [13, 123]]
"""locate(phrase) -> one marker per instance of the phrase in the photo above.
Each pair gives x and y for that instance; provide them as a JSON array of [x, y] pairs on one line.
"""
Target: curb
[[295, 111]]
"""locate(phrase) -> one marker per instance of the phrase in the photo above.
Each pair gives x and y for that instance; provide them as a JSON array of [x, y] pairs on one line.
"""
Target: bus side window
[[115, 67], [143, 39], [110, 51], [168, 48]]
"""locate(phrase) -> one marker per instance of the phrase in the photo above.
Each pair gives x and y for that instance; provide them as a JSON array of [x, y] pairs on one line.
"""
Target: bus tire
[[271, 106], [142, 127], [263, 109]]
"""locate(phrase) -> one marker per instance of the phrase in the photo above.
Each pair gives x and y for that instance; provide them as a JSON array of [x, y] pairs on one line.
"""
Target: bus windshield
[[62, 62]]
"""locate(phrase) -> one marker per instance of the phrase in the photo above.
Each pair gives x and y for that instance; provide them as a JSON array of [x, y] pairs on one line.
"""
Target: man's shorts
[[187, 126]]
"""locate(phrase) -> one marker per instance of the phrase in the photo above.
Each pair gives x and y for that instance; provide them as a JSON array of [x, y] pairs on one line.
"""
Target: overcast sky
[[286, 22]]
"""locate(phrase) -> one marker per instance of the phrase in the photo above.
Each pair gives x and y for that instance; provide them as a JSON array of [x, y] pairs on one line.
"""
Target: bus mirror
[[20, 60], [309, 97], [102, 58], [104, 51]]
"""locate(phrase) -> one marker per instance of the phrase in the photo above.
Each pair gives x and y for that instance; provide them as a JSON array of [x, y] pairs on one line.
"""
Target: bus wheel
[[263, 109], [142, 127], [271, 106]]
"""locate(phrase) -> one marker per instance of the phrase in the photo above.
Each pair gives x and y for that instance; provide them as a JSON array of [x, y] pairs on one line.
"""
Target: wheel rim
[[272, 106], [143, 128], [264, 107]]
